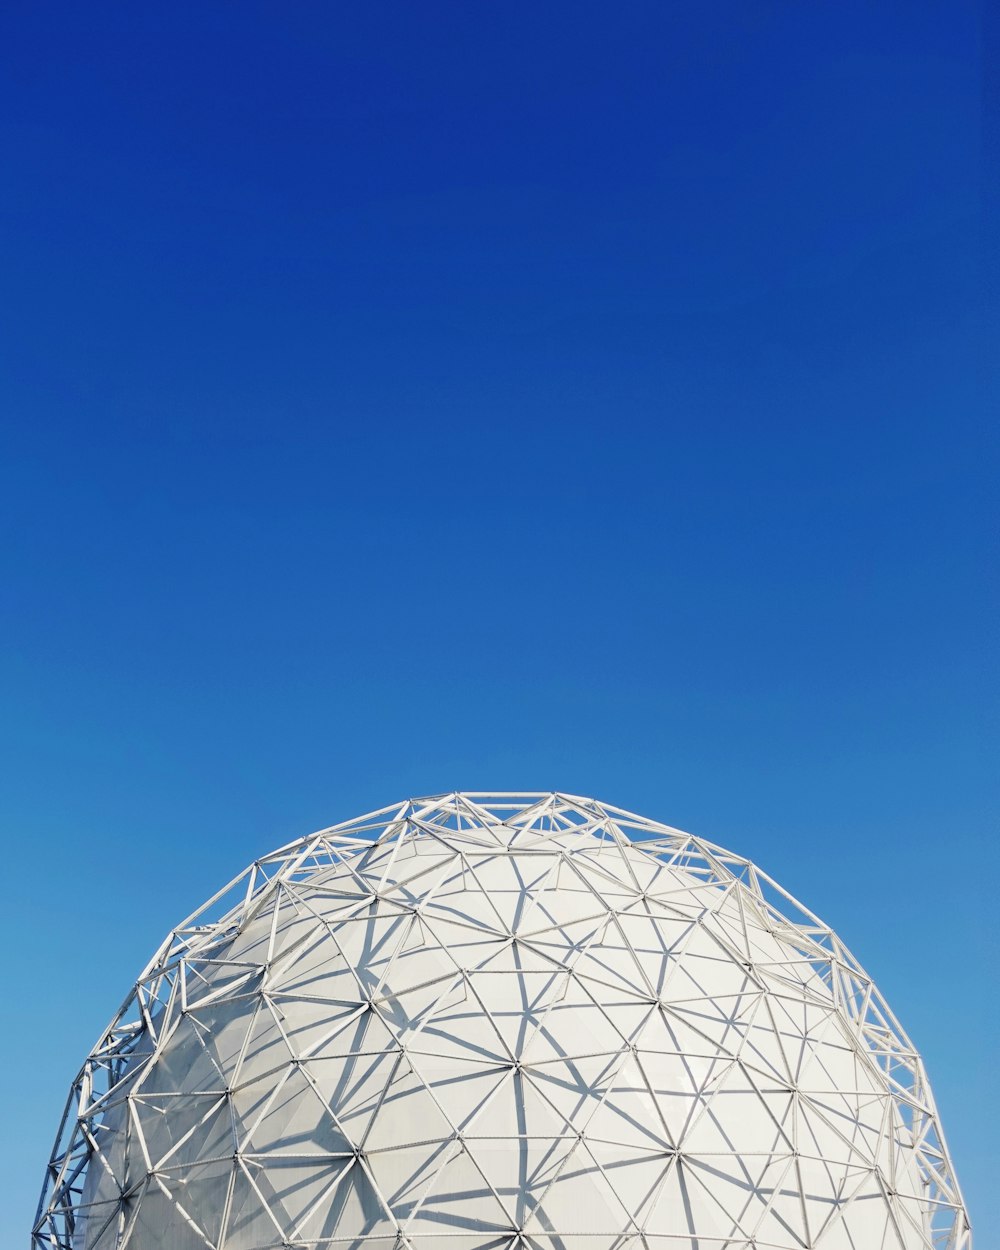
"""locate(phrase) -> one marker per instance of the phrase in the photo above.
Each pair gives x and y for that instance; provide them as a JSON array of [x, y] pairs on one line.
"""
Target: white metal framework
[[502, 1022]]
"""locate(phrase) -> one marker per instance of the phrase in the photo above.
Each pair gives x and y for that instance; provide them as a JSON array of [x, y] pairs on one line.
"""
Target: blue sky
[[402, 398]]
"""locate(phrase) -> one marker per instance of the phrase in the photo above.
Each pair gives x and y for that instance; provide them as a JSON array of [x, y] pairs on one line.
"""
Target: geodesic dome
[[502, 1022]]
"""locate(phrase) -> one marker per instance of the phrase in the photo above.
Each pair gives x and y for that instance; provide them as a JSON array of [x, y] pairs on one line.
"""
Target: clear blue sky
[[409, 397]]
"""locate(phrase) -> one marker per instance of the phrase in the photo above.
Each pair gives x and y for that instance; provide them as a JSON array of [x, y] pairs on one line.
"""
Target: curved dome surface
[[500, 1021]]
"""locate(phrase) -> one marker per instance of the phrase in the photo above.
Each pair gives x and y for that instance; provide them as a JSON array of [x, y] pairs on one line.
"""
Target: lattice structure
[[509, 1022]]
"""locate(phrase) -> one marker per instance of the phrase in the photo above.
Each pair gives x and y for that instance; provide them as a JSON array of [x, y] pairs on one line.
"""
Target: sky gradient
[[407, 398]]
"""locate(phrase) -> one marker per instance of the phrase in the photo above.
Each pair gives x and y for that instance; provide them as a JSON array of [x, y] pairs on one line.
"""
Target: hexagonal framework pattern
[[499, 1021]]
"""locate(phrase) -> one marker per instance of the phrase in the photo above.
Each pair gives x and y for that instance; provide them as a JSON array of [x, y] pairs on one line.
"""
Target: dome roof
[[502, 1021]]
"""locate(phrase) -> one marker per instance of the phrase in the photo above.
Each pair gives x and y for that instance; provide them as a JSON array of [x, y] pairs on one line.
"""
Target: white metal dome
[[502, 1021]]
